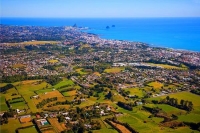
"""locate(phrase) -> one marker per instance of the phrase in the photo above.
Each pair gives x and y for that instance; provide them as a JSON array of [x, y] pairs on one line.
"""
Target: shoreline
[[100, 36], [148, 44]]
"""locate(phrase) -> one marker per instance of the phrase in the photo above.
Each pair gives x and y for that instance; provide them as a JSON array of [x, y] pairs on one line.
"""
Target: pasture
[[18, 66], [53, 61], [12, 125], [3, 105], [11, 93], [69, 93], [28, 129], [139, 120], [122, 128], [155, 85], [46, 95], [114, 70], [168, 109], [135, 91], [33, 43], [57, 126], [64, 82], [193, 116], [97, 73], [28, 88], [3, 84], [80, 71], [183, 95], [168, 66]]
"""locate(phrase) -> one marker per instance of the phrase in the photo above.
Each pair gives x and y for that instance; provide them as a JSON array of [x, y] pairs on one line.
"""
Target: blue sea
[[177, 33]]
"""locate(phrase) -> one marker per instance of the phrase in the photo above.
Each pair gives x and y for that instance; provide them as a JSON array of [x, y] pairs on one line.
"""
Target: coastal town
[[63, 79]]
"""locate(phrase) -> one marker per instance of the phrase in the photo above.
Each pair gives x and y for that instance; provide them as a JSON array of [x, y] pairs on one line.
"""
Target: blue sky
[[100, 8]]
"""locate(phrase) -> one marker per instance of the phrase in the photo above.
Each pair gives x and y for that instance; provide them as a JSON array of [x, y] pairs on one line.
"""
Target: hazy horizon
[[99, 9]]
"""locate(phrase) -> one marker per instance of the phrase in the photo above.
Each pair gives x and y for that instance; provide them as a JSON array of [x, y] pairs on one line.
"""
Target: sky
[[99, 8]]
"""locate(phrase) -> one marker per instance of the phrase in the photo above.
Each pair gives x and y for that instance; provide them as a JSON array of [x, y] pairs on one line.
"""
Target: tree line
[[185, 105], [46, 101]]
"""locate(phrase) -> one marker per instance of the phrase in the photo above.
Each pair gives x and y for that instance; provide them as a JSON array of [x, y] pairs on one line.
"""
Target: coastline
[[148, 44], [171, 33]]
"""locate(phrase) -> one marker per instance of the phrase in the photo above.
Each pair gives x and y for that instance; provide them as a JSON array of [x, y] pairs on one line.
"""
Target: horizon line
[[100, 17]]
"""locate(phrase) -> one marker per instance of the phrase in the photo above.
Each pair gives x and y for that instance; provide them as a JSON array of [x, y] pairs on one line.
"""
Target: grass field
[[168, 109], [53, 61], [34, 43], [46, 95], [136, 120], [3, 84], [3, 105], [80, 71], [29, 129], [57, 126], [168, 66], [135, 91], [97, 73], [183, 95], [11, 93], [18, 66], [121, 127], [191, 117], [29, 88], [11, 126], [194, 115], [69, 93], [105, 130], [114, 70], [57, 107], [63, 83], [19, 105], [43, 91], [156, 85]]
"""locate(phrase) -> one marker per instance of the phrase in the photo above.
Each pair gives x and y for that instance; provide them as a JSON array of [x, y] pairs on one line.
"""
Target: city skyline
[[100, 9]]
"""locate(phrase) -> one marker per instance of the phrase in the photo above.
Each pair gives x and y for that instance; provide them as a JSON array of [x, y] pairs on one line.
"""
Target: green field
[[11, 93], [43, 91], [168, 66], [168, 109], [12, 125], [135, 91], [29, 88], [193, 116], [114, 70], [3, 105], [19, 105], [53, 61], [18, 66], [3, 84], [80, 71], [34, 43], [136, 120], [63, 83], [29, 129], [183, 95], [69, 93], [155, 85]]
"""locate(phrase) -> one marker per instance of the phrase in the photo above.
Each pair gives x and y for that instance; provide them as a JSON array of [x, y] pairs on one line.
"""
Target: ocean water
[[177, 33]]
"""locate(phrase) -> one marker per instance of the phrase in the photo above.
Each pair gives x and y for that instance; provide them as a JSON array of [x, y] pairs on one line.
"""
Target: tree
[[190, 106], [61, 118], [167, 98], [109, 95], [176, 102], [182, 102]]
